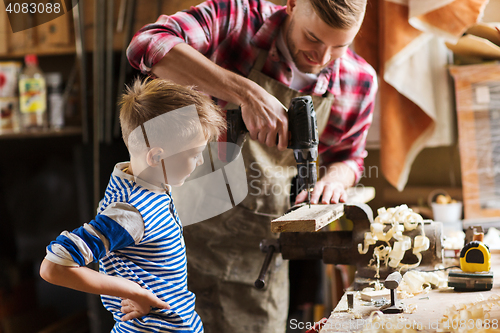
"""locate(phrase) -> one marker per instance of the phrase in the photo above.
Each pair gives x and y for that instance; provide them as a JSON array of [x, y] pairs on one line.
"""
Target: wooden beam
[[305, 219]]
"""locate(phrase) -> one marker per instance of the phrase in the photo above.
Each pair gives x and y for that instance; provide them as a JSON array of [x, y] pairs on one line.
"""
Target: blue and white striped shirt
[[136, 235]]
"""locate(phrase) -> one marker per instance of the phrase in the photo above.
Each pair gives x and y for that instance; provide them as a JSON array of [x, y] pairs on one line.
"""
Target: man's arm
[[89, 281], [178, 48], [263, 114]]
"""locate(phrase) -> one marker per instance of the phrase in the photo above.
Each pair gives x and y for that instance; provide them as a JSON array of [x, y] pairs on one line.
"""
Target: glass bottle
[[32, 95]]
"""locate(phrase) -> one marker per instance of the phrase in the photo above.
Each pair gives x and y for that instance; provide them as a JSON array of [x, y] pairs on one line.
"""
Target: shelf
[[40, 51], [67, 131]]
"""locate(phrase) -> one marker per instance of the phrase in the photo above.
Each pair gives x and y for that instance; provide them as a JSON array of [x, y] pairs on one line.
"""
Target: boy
[[137, 236]]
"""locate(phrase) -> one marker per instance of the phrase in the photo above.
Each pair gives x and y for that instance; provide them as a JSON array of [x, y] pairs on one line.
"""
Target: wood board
[[305, 219], [472, 142]]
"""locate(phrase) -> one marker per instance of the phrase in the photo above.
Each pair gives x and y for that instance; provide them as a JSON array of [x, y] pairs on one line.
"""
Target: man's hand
[[329, 192], [331, 187], [141, 305], [265, 118]]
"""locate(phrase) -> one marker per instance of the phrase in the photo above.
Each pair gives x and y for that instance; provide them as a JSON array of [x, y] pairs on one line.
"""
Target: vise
[[341, 247]]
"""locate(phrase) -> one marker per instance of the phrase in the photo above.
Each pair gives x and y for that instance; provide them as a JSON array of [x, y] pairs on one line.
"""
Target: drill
[[303, 129]]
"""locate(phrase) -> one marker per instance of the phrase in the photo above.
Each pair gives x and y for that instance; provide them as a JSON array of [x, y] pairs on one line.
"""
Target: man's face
[[312, 43]]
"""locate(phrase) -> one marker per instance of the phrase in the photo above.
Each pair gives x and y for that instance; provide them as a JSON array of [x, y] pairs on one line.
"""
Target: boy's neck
[[128, 170]]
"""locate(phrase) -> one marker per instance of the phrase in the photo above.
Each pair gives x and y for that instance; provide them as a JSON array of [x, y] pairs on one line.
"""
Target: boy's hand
[[141, 306]]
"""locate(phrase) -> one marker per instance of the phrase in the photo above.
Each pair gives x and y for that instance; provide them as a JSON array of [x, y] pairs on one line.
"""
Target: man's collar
[[269, 30], [265, 39]]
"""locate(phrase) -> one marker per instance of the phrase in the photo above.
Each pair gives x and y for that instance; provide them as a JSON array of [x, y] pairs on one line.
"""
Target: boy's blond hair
[[340, 14], [149, 98]]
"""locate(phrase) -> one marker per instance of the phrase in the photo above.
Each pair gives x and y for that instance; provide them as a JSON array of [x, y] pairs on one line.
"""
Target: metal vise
[[341, 247]]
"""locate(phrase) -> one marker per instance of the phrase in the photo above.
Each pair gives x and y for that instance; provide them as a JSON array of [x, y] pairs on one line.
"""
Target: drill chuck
[[306, 175]]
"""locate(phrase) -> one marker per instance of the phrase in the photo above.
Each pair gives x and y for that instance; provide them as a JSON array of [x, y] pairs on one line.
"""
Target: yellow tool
[[475, 265], [475, 257]]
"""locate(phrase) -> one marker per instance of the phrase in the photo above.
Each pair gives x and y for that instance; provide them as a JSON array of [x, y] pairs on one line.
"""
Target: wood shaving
[[401, 218], [380, 323], [411, 308], [415, 282], [473, 317]]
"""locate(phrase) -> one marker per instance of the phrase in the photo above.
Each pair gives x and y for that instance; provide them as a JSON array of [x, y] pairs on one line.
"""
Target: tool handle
[[302, 124], [260, 283], [393, 280], [231, 141]]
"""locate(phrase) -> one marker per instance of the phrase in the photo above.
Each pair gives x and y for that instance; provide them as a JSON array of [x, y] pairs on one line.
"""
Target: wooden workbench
[[430, 306]]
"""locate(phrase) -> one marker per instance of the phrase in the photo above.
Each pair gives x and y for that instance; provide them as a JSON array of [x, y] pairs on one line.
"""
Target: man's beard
[[308, 69]]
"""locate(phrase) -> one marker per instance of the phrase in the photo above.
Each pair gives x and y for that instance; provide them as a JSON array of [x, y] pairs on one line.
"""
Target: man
[[257, 55]]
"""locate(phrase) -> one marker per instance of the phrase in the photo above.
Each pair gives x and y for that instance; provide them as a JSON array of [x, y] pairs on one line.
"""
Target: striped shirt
[[136, 235], [231, 33]]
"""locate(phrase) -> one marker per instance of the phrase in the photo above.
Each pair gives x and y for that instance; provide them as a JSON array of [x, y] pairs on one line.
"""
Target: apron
[[224, 258]]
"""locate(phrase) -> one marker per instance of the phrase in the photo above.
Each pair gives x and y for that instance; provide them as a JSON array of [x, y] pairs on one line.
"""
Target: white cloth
[[300, 80], [420, 74]]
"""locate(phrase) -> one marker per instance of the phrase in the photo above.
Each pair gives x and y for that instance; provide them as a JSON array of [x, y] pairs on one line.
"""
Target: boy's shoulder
[[119, 187]]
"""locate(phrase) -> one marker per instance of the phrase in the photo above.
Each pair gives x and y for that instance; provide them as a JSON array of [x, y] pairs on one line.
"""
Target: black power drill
[[303, 129]]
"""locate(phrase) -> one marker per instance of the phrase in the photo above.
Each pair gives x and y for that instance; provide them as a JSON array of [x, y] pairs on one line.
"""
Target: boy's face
[[179, 167]]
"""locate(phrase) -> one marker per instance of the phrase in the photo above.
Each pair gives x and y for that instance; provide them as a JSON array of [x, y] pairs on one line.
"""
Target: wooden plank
[[305, 219], [4, 29], [56, 32], [465, 78]]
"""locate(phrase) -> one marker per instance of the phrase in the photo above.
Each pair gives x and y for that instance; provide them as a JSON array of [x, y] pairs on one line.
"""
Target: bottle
[[55, 100], [32, 95]]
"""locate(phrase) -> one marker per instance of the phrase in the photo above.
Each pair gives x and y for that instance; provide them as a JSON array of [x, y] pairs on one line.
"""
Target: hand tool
[[392, 282], [341, 247], [303, 129], [475, 265]]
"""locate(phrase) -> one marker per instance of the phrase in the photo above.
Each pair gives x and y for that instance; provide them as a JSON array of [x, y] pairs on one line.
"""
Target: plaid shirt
[[231, 32]]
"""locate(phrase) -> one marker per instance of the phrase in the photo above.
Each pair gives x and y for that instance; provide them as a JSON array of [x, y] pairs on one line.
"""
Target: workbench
[[430, 306]]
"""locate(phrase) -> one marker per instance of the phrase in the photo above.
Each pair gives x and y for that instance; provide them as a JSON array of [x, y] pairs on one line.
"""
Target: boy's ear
[[153, 157]]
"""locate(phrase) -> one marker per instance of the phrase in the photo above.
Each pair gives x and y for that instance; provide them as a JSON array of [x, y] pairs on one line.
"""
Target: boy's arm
[[89, 281], [118, 226]]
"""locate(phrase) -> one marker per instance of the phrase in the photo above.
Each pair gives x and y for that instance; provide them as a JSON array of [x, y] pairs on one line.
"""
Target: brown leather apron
[[224, 259]]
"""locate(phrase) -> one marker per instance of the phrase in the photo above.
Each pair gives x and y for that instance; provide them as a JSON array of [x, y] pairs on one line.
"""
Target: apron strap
[[261, 60]]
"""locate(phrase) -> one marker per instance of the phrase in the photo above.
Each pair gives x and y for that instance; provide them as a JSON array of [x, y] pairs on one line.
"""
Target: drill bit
[[308, 193]]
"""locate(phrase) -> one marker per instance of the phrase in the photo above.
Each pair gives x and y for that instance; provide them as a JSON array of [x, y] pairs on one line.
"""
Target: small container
[[450, 212], [9, 109], [32, 95], [55, 100], [9, 73]]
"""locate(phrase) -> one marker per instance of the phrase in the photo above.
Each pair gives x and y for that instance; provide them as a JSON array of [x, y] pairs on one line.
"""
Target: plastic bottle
[[32, 95], [55, 100]]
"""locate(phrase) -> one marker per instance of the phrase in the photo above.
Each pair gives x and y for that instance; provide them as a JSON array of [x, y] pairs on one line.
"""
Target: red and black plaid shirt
[[231, 32]]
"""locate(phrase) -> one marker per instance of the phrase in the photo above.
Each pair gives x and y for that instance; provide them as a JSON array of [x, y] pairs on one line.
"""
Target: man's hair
[[147, 99], [340, 14]]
